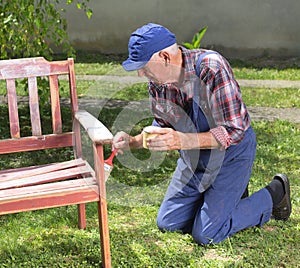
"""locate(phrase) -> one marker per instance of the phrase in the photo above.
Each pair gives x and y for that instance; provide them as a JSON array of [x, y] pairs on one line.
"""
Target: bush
[[28, 27]]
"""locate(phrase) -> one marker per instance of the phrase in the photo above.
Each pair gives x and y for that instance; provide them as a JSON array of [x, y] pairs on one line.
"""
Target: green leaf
[[89, 13], [187, 45], [200, 35], [196, 39]]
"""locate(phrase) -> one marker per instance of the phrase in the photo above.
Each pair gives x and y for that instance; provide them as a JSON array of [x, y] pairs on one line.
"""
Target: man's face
[[160, 71], [154, 71]]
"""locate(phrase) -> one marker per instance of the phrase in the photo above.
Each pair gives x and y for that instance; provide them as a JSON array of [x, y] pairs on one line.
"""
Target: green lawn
[[260, 68], [50, 238], [240, 72]]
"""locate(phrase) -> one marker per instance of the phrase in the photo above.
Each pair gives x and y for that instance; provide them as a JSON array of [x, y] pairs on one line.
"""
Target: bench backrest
[[31, 69]]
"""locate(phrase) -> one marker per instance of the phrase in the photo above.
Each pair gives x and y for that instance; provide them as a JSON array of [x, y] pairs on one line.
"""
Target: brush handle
[[110, 159]]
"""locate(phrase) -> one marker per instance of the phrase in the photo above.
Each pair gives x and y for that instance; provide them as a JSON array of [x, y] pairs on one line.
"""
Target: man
[[197, 106]]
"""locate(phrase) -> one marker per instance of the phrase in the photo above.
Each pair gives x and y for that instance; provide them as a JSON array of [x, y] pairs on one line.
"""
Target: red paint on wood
[[55, 105], [33, 143], [54, 200], [13, 108]]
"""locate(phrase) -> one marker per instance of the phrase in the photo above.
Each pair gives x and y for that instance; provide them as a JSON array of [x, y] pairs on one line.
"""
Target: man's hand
[[121, 141], [124, 141], [169, 139]]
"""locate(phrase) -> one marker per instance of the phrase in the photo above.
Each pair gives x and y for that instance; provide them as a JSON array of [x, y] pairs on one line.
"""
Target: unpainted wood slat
[[31, 67], [45, 189], [13, 108], [33, 143], [40, 169], [55, 104], [60, 175], [97, 132], [34, 106], [18, 173]]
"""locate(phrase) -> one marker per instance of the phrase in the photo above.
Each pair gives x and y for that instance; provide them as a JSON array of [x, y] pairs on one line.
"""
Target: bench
[[71, 182]]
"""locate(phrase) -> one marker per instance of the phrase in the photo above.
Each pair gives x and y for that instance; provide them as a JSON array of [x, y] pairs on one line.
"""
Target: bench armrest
[[97, 132]]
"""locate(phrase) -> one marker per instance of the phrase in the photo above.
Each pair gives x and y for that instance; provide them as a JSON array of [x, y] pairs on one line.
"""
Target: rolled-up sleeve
[[230, 115]]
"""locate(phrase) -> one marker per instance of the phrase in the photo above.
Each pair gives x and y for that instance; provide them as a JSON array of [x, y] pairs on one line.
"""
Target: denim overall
[[204, 195]]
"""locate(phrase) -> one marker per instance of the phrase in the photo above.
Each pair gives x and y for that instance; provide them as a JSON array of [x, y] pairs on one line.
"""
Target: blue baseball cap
[[144, 42]]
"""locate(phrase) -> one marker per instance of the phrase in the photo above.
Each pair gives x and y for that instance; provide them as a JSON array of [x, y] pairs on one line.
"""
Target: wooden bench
[[55, 184]]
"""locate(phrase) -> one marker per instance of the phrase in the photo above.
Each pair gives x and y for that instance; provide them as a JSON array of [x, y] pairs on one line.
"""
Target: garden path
[[257, 113]]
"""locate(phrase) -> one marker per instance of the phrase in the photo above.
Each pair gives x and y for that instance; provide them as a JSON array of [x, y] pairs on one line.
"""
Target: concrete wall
[[237, 28]]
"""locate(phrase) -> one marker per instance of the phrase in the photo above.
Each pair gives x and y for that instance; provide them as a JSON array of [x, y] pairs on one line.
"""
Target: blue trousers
[[218, 212]]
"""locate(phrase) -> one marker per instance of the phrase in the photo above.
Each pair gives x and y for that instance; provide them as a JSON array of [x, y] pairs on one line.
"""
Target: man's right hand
[[121, 141]]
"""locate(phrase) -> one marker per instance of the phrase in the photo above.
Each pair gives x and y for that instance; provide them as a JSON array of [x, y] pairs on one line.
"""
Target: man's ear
[[165, 56]]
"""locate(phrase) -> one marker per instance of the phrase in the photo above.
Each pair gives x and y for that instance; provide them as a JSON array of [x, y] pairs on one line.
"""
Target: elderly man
[[198, 110]]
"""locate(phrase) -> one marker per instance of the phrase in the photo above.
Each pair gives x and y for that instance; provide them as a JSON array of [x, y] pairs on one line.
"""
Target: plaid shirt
[[218, 89]]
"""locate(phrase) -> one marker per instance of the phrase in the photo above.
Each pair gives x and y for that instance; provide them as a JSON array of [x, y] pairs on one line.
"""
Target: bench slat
[[60, 175], [34, 107], [13, 108], [18, 173], [48, 188], [33, 143], [31, 67], [49, 195], [55, 105]]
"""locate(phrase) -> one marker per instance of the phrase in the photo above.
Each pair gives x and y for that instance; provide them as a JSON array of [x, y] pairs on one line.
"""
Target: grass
[[261, 68], [269, 97], [240, 73], [272, 97], [50, 238]]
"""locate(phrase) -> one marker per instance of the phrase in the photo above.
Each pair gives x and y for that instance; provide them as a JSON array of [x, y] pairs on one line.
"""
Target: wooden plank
[[48, 189], [60, 175], [77, 139], [34, 107], [97, 132], [102, 205], [13, 108], [36, 143], [58, 199], [104, 232], [31, 67], [72, 85], [55, 104], [17, 173]]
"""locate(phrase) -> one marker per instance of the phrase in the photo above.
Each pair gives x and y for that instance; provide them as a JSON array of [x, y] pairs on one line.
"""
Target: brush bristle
[[107, 170]]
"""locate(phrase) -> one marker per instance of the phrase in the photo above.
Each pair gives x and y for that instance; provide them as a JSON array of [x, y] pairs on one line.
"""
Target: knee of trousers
[[201, 238], [211, 234], [163, 224]]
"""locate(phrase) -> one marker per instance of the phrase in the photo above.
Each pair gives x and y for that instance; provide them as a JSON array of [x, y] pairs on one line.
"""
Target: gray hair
[[171, 49]]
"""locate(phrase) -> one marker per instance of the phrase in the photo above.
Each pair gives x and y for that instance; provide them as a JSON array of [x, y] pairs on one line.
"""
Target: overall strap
[[200, 60]]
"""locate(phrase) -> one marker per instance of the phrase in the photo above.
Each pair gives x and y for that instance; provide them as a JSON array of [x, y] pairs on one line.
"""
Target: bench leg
[[104, 233], [81, 216]]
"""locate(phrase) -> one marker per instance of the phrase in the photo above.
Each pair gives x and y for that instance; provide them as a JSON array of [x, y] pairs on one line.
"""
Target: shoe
[[246, 193], [284, 209]]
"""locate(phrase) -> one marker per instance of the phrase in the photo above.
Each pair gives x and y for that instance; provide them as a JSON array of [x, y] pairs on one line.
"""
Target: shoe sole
[[286, 185]]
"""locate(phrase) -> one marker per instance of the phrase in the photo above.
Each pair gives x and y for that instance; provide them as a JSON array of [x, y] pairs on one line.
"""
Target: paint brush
[[108, 164]]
